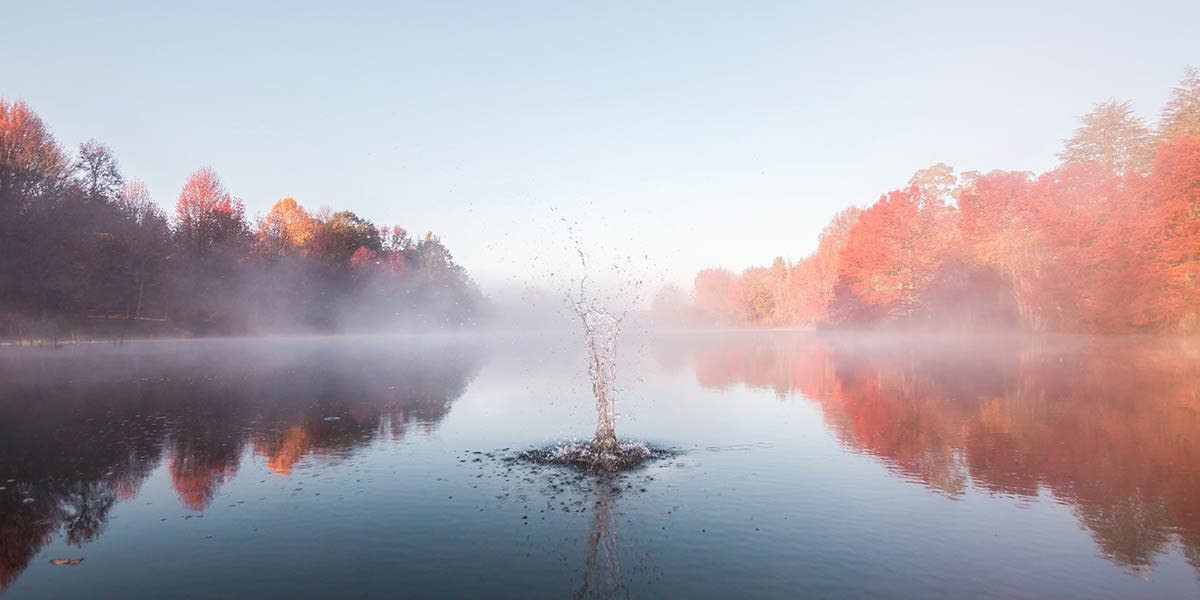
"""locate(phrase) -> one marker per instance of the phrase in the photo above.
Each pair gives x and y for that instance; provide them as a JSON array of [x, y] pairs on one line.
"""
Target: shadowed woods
[[84, 252], [69, 452], [1110, 427]]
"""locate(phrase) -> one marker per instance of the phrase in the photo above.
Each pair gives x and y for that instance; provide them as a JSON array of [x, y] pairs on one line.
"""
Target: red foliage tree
[[31, 163], [1173, 239], [1076, 212], [893, 252], [205, 214], [811, 282]]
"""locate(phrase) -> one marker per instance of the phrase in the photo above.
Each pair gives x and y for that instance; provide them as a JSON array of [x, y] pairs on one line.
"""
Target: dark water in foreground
[[810, 466]]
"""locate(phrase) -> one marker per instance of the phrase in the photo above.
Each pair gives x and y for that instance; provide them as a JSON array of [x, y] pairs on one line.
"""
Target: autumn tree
[[1112, 135], [1181, 115], [31, 163], [1076, 212], [434, 260], [938, 180], [363, 263], [1174, 240], [892, 254], [211, 234], [344, 233], [753, 295], [395, 239], [803, 292], [47, 238], [998, 233], [287, 227], [777, 290], [206, 215], [811, 282]]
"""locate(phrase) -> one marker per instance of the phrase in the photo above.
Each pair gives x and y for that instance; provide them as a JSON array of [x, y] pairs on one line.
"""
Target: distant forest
[[1108, 242], [85, 251]]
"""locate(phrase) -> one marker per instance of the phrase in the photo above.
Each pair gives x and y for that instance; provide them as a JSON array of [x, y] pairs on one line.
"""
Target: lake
[[805, 465]]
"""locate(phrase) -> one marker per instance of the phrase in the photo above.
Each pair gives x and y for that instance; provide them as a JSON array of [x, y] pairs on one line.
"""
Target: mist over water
[[562, 300], [902, 463], [913, 467]]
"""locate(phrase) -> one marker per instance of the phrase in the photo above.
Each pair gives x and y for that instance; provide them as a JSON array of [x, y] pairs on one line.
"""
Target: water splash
[[601, 329], [594, 457]]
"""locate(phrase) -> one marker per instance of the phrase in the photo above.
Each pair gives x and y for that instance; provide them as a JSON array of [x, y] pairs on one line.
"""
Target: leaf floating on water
[[66, 561]]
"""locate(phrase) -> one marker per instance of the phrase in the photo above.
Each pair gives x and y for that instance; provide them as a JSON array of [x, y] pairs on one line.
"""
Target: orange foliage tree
[[1107, 242], [892, 254], [287, 227]]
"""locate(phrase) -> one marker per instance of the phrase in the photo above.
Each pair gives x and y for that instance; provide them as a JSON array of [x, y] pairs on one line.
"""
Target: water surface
[[809, 466]]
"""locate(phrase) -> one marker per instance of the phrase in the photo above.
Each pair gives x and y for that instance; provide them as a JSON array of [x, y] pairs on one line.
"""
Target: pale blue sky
[[691, 133]]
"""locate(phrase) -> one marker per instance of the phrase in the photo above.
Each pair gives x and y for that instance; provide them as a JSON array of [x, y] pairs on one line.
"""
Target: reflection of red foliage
[[23, 537], [127, 486], [197, 483], [1112, 429], [282, 456], [195, 418]]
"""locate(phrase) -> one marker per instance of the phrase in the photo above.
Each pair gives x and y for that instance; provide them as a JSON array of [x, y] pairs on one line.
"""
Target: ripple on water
[[595, 458]]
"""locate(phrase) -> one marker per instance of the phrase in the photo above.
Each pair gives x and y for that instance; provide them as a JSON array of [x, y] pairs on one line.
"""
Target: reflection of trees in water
[[346, 409], [79, 433], [602, 575], [1108, 426], [71, 454]]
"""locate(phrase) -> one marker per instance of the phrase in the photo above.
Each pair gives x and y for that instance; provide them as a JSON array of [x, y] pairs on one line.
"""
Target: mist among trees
[[85, 250], [1107, 242]]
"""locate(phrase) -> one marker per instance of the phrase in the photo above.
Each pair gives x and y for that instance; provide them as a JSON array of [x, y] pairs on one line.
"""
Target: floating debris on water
[[65, 561]]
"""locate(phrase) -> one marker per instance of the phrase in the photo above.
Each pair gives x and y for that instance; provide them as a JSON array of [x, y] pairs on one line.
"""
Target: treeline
[[1107, 242], [83, 250]]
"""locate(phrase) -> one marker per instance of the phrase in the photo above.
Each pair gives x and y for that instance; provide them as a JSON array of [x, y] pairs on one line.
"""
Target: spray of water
[[601, 328]]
